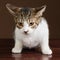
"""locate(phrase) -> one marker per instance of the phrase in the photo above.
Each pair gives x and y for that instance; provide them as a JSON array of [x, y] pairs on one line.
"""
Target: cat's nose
[[26, 32]]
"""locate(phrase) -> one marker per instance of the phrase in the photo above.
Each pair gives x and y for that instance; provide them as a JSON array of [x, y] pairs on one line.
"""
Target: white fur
[[35, 37]]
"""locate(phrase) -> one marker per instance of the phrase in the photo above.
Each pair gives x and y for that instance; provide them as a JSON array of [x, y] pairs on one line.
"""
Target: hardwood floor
[[31, 55], [28, 54]]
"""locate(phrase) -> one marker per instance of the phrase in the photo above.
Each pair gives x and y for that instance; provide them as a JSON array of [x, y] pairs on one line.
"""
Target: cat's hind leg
[[44, 44]]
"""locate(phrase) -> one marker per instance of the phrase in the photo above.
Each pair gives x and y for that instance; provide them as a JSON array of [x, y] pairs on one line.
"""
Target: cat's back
[[42, 28], [43, 23]]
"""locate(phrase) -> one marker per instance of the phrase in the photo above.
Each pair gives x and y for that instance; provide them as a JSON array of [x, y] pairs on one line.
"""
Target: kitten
[[31, 29]]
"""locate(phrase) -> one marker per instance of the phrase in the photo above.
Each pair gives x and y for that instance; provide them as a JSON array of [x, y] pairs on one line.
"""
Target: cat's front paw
[[47, 51], [15, 50]]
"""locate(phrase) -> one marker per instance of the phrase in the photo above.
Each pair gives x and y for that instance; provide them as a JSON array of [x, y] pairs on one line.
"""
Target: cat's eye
[[20, 23], [31, 23]]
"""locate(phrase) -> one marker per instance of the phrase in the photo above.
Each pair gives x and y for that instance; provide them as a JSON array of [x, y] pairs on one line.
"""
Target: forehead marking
[[25, 12]]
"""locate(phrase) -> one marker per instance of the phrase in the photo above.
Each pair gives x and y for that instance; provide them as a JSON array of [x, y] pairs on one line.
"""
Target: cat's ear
[[13, 9], [40, 11]]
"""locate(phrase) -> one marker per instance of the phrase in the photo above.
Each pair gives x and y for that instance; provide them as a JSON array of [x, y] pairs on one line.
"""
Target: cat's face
[[26, 19], [26, 23]]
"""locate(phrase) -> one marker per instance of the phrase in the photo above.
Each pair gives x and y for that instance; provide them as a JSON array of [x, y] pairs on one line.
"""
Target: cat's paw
[[15, 50], [47, 51]]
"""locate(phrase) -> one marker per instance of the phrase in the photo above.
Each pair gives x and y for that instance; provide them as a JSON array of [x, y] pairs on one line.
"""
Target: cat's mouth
[[26, 33]]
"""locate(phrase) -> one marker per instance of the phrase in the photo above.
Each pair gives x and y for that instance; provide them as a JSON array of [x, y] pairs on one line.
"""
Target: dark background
[[52, 14]]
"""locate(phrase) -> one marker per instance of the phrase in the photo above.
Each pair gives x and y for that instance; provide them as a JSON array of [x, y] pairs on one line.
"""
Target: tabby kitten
[[31, 29]]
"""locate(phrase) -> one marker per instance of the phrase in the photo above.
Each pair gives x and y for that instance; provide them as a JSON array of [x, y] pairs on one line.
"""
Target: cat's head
[[26, 19]]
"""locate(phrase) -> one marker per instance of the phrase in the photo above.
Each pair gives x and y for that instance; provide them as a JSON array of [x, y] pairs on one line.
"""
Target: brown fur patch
[[36, 22], [28, 16]]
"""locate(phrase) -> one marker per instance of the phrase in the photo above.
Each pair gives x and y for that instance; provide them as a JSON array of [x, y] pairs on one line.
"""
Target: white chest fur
[[30, 42]]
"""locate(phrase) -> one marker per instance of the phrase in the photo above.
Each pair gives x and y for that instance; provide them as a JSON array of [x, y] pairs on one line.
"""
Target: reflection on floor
[[31, 55]]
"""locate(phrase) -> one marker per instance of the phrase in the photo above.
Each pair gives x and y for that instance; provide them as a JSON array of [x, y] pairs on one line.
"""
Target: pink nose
[[26, 32]]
